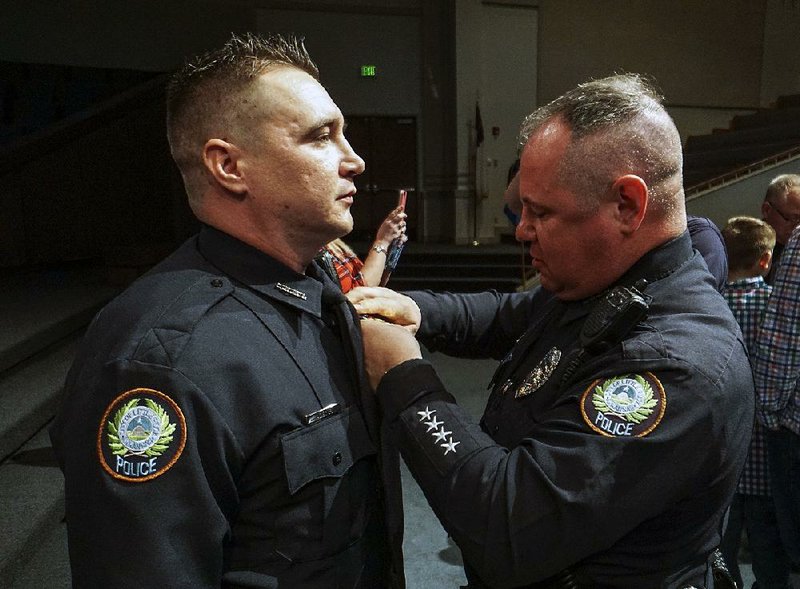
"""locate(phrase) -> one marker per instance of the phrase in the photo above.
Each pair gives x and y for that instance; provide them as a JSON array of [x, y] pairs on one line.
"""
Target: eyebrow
[[326, 122]]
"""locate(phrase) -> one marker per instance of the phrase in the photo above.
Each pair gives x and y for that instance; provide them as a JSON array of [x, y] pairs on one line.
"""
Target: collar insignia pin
[[291, 291]]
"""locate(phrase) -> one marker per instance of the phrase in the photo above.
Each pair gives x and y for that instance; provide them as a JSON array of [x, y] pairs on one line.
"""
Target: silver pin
[[291, 291], [326, 411]]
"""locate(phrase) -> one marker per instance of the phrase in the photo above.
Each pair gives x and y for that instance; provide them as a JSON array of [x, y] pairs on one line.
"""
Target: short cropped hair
[[780, 186], [204, 97], [747, 239], [619, 126]]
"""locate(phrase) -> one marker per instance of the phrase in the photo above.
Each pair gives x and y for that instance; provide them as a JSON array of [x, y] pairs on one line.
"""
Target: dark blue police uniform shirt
[[620, 471], [211, 433]]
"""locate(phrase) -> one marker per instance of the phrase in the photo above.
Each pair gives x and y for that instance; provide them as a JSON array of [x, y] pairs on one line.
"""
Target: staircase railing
[[61, 133], [696, 190]]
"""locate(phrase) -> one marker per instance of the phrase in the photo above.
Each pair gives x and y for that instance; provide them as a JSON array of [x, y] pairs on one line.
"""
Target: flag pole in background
[[478, 175]]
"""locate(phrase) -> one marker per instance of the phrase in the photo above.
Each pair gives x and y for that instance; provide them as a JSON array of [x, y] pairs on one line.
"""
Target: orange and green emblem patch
[[629, 405], [141, 436]]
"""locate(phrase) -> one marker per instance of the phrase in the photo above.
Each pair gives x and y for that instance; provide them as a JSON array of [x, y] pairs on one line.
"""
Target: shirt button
[[495, 429], [337, 458], [216, 282]]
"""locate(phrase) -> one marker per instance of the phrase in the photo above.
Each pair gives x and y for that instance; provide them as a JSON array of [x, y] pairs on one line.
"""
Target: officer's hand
[[386, 304], [386, 346]]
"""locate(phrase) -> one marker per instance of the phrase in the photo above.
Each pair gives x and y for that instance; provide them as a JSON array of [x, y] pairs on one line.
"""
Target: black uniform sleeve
[[161, 520], [523, 514], [469, 325], [707, 239]]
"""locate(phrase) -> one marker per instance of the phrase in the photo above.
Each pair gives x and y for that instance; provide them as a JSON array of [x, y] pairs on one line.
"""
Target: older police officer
[[214, 432], [618, 422]]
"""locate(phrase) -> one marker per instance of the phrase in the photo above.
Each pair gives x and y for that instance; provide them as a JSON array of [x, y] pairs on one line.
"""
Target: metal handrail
[[737, 173]]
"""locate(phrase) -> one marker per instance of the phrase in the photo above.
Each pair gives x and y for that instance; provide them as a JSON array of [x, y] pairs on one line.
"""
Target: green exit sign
[[368, 71]]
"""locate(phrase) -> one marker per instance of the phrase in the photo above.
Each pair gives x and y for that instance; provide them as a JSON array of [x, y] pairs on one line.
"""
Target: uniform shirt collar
[[261, 272], [660, 262], [656, 264], [750, 281]]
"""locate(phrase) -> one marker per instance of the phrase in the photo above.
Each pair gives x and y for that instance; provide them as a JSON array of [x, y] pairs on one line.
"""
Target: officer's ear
[[222, 160], [631, 196]]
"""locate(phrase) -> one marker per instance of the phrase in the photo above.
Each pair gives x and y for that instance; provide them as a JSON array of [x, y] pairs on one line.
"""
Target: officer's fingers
[[376, 301], [403, 312], [386, 346], [361, 294]]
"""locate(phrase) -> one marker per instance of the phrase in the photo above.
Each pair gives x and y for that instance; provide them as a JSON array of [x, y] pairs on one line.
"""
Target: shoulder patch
[[628, 405], [141, 436]]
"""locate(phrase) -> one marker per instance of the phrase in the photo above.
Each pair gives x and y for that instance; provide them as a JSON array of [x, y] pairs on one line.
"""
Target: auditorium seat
[[748, 140]]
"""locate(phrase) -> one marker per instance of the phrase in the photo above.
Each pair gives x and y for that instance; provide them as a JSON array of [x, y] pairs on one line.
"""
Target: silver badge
[[539, 375]]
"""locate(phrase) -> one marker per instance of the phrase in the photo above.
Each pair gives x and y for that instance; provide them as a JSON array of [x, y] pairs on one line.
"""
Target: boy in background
[[749, 242]]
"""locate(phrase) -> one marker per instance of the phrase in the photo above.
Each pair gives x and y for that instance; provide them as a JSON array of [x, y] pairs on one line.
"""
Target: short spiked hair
[[207, 91]]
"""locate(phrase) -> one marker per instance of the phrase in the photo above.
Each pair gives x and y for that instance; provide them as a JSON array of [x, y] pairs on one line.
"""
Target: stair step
[[698, 176], [758, 135], [454, 284], [791, 100], [32, 496], [42, 307], [736, 156], [445, 271], [30, 392], [487, 261], [772, 116]]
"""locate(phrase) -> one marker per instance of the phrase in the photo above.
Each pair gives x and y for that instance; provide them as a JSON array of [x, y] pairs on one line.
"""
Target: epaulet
[[166, 338]]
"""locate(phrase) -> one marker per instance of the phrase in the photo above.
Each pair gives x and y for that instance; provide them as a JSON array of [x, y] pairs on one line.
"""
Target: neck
[[287, 248], [277, 246], [734, 275]]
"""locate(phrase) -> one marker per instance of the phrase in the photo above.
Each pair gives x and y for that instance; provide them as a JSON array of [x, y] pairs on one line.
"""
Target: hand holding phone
[[396, 247]]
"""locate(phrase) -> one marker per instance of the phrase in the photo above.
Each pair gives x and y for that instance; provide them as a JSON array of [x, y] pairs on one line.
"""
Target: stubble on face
[[570, 233], [300, 166]]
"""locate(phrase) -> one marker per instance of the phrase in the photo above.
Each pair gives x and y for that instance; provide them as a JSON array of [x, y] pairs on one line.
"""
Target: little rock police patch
[[629, 405], [142, 434]]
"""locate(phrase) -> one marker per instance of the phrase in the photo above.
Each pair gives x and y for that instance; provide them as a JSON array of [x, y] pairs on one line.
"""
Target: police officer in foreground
[[620, 416], [217, 428]]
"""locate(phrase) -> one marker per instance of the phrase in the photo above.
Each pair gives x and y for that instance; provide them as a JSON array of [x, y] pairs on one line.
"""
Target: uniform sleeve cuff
[[406, 383]]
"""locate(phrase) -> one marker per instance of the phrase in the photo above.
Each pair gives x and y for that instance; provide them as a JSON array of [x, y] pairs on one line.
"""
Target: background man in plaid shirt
[[781, 209], [776, 370], [749, 242]]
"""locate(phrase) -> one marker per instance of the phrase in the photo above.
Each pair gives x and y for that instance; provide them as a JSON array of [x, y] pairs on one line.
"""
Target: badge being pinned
[[630, 405], [142, 434]]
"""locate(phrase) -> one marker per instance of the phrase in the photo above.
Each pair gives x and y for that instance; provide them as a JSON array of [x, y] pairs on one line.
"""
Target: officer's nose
[[352, 164], [525, 230]]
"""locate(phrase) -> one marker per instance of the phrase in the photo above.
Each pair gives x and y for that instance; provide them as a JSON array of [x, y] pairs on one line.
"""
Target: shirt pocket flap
[[326, 449]]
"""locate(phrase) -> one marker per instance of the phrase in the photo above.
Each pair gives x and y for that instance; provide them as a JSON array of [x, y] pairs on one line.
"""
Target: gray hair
[[619, 126], [781, 185]]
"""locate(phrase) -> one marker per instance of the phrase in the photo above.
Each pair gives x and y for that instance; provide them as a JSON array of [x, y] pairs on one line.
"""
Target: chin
[[347, 223]]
